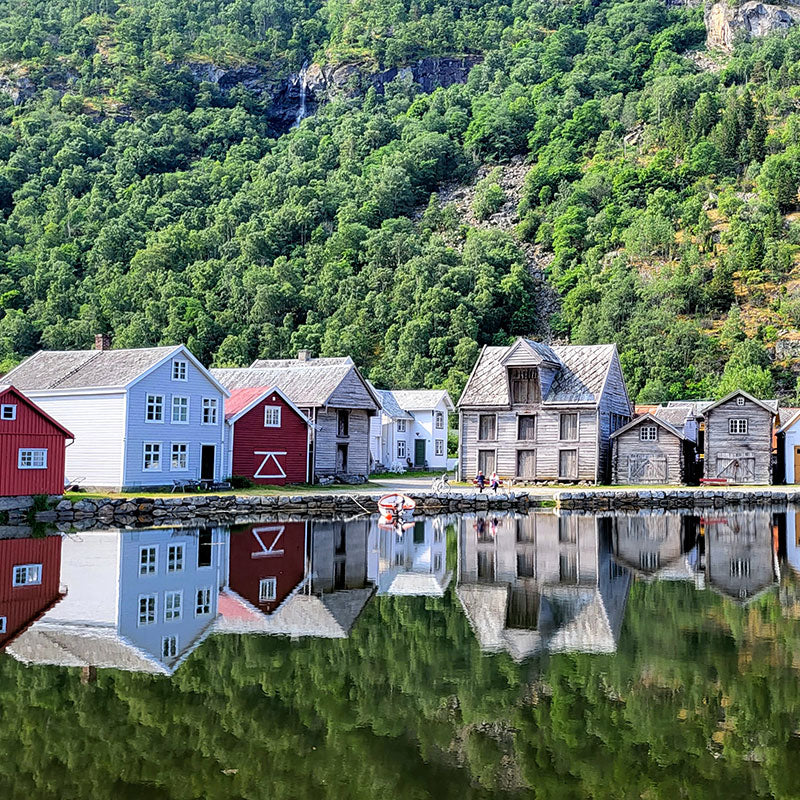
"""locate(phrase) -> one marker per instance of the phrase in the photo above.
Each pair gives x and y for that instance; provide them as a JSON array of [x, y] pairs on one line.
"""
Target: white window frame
[[438, 417], [179, 403], [740, 401], [185, 446], [173, 612], [8, 412], [402, 450], [32, 458], [148, 617], [202, 601], [272, 416], [169, 646], [267, 590], [150, 549], [176, 557], [152, 446], [648, 433], [154, 404], [180, 366], [3, 625], [32, 575], [401, 426], [210, 404], [438, 447], [738, 426]]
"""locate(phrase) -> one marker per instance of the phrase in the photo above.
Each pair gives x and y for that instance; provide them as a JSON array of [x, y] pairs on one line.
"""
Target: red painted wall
[[30, 429], [286, 543], [250, 436], [22, 605]]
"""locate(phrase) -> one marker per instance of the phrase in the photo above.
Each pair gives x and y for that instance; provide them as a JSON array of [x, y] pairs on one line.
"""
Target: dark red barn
[[32, 447], [267, 437], [30, 583], [267, 562]]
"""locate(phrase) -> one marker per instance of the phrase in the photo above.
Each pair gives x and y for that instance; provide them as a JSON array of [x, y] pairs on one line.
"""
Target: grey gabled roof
[[272, 363], [767, 405], [667, 426], [421, 399], [580, 378], [85, 369], [390, 405], [787, 416]]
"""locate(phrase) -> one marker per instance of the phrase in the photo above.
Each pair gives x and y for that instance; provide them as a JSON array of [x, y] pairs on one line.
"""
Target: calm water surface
[[629, 656]]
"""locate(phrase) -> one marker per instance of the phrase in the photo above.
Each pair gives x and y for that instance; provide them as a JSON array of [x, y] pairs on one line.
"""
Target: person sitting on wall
[[480, 479]]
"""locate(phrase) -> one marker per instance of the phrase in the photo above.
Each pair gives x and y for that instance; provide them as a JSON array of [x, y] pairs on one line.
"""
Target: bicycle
[[441, 483]]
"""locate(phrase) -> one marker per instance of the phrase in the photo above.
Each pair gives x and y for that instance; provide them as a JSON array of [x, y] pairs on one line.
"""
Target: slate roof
[[768, 405], [785, 415], [642, 418], [271, 363], [579, 380], [420, 399], [85, 369], [390, 406]]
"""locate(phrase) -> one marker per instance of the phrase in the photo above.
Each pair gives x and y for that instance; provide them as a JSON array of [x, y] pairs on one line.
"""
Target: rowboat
[[395, 504]]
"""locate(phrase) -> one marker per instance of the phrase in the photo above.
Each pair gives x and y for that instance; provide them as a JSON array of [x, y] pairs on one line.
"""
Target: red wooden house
[[266, 437], [267, 563], [32, 446], [29, 582]]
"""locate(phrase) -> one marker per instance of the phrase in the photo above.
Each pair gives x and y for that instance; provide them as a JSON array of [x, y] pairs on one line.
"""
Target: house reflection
[[137, 600], [543, 582], [410, 559], [296, 579]]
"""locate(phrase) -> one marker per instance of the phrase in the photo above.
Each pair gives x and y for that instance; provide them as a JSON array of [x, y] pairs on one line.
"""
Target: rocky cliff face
[[726, 24]]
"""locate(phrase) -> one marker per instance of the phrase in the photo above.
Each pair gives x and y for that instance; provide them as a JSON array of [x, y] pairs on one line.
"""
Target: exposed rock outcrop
[[726, 24]]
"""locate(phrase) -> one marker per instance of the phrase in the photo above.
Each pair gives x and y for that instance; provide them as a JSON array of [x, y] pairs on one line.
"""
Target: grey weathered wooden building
[[333, 394], [657, 447], [537, 412], [738, 439]]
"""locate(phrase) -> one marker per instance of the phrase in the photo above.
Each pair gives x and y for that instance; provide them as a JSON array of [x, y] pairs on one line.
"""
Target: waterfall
[[301, 112]]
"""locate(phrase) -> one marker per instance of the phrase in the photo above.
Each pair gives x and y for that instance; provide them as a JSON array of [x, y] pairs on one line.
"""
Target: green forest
[[658, 209], [704, 705]]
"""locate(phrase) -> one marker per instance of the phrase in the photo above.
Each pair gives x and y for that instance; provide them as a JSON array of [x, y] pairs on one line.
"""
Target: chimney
[[102, 341], [304, 355]]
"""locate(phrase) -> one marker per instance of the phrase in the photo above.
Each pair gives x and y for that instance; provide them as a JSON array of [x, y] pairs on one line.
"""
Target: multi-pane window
[[267, 590], [524, 385], [148, 560], [210, 410], [147, 609], [568, 427], [439, 420], [438, 447], [526, 427], [272, 416], [8, 411], [32, 458], [648, 560], [152, 457], [175, 558], [737, 426], [173, 605], [180, 456], [343, 422], [740, 568], [648, 433], [180, 410], [27, 575], [202, 604], [179, 370], [401, 449], [154, 408], [401, 426], [487, 427], [740, 401], [169, 646]]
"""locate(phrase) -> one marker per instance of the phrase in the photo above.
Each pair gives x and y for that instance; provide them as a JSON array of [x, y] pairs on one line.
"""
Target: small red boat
[[395, 505]]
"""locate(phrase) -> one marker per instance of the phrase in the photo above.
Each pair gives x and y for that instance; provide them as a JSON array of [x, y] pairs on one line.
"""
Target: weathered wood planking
[[647, 461]]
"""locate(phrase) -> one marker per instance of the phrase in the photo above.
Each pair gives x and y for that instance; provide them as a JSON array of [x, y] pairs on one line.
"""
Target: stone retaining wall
[[672, 498], [227, 509]]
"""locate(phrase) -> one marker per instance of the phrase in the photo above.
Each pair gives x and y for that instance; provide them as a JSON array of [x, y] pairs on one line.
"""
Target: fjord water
[[650, 655]]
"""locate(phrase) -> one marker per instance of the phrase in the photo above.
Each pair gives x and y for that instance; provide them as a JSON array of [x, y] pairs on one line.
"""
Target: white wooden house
[[411, 429], [788, 442], [145, 417]]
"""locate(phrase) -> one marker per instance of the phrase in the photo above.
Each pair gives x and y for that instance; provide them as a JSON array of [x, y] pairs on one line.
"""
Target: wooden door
[[208, 458], [796, 464], [647, 469], [419, 453], [486, 462], [736, 469], [568, 464], [526, 463]]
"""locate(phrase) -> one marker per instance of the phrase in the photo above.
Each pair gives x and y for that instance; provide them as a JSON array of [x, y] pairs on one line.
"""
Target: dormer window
[[524, 385]]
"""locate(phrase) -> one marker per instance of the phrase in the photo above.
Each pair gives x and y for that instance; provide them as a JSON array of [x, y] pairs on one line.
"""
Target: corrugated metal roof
[[580, 378], [85, 369]]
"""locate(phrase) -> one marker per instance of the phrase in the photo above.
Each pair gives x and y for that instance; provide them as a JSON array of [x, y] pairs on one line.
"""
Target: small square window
[[27, 575], [169, 646], [267, 590], [154, 408], [8, 412], [179, 370], [272, 416], [740, 401]]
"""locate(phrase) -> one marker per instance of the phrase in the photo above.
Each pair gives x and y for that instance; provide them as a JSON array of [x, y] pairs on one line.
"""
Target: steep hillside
[[598, 176]]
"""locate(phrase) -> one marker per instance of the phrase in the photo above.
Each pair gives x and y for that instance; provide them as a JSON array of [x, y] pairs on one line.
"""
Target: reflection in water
[[144, 600]]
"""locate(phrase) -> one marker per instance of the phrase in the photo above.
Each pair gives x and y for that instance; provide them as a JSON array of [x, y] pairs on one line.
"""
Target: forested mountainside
[[632, 188]]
